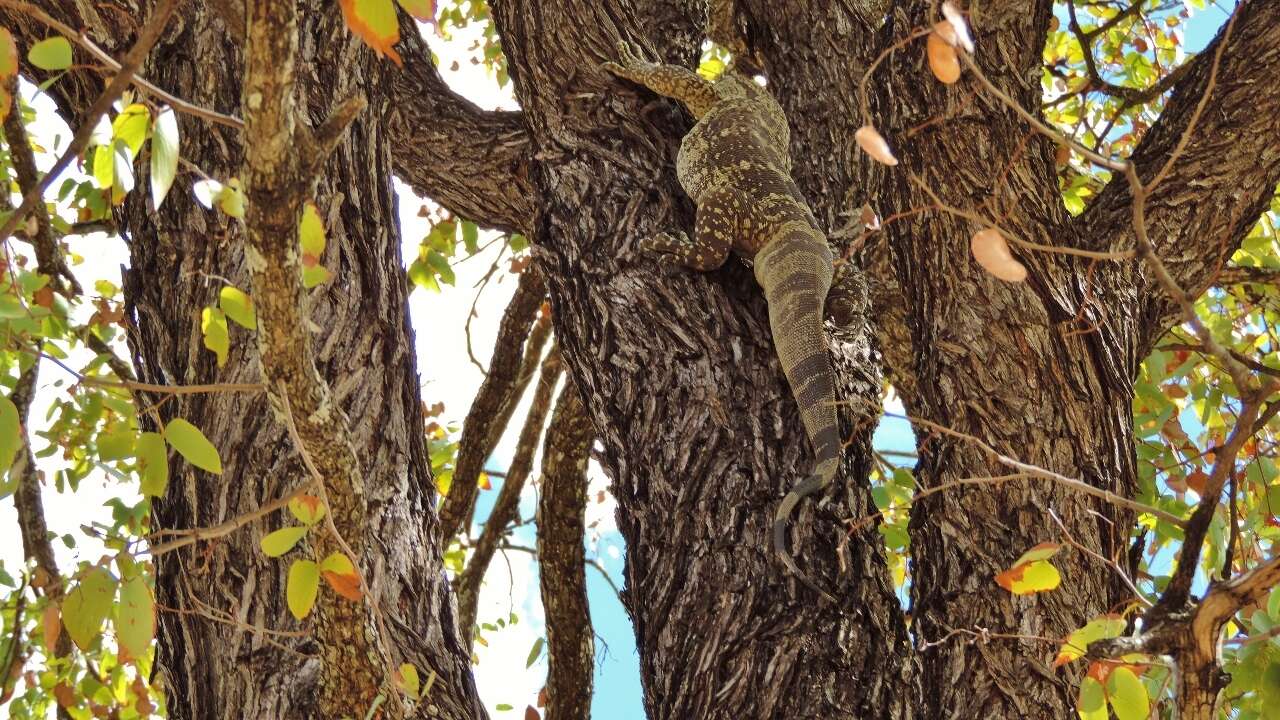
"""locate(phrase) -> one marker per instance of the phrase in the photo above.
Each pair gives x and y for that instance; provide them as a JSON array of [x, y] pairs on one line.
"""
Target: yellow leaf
[[374, 22], [307, 508], [1029, 578], [407, 680], [135, 619], [213, 324], [1127, 694], [304, 581], [1100, 628]]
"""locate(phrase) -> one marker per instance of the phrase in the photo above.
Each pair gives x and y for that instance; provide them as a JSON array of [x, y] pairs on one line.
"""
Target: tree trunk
[[700, 434]]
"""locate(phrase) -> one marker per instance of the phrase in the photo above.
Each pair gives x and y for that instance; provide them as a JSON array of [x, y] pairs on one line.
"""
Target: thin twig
[[195, 535]]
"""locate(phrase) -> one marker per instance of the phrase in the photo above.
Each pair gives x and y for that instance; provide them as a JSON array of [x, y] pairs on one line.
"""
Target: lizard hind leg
[[847, 300], [713, 238]]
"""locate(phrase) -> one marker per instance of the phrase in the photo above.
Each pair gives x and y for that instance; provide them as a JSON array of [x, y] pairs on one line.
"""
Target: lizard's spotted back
[[735, 166]]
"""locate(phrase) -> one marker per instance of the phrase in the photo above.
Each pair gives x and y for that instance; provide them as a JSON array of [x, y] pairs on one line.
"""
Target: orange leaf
[[873, 144], [52, 623], [348, 585], [374, 22], [1196, 481], [530, 713]]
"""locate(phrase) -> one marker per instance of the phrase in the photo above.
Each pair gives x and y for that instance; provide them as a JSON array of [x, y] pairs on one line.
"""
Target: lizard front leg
[[671, 81]]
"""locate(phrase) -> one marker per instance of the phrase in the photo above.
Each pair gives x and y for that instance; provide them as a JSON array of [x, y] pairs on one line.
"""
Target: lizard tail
[[810, 485], [795, 272]]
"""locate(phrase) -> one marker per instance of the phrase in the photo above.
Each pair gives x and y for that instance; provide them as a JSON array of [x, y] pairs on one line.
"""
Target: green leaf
[[193, 445], [135, 618], [304, 582], [282, 541], [238, 306], [130, 127], [470, 237], [1092, 704], [8, 55], [51, 54], [165, 146], [87, 606], [424, 10], [217, 337], [10, 433], [1128, 695], [441, 266], [534, 653], [153, 463], [117, 444]]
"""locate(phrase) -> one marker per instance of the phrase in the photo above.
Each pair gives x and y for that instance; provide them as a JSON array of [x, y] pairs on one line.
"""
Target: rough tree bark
[[699, 432]]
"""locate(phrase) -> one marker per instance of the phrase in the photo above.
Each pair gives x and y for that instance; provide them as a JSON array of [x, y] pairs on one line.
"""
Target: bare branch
[[508, 502], [472, 161], [561, 558], [1210, 164], [496, 399]]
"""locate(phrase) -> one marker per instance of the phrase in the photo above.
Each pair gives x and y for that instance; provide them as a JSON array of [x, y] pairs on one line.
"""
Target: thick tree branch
[[514, 362], [282, 158], [1222, 178], [508, 503], [474, 162], [561, 558]]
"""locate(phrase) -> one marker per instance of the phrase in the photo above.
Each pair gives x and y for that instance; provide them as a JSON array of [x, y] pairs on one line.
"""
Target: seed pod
[[992, 253], [943, 60], [873, 144], [953, 15]]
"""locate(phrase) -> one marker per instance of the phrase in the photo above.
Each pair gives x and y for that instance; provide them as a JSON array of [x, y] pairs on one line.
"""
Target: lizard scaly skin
[[735, 166]]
